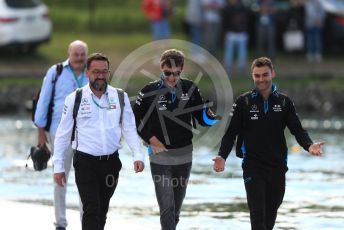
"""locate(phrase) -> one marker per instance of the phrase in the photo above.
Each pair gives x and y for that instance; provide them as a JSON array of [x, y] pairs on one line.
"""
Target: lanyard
[[109, 106], [173, 96], [79, 80]]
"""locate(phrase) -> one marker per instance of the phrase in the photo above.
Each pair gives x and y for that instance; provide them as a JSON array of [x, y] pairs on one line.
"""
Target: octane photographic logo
[[142, 65]]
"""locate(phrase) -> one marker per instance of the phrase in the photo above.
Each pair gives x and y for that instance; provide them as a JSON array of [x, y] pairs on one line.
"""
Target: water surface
[[314, 196]]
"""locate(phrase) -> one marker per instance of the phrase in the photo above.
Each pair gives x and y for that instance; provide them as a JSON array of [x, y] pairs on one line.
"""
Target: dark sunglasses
[[168, 73]]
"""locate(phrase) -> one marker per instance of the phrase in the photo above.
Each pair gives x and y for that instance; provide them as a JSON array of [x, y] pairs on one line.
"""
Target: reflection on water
[[314, 196]]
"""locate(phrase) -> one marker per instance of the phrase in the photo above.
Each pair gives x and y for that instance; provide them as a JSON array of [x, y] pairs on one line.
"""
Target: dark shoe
[[60, 228]]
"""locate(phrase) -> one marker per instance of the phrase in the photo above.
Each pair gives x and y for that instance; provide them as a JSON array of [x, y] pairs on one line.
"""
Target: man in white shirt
[[97, 140]]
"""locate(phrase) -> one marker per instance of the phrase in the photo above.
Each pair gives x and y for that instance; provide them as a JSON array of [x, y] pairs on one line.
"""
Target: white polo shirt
[[98, 130]]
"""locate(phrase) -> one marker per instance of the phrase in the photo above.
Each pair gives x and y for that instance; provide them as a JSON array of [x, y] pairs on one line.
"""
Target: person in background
[[266, 32], [235, 18], [100, 123], [296, 15], [194, 20], [212, 24], [259, 120], [314, 23], [72, 77], [158, 13]]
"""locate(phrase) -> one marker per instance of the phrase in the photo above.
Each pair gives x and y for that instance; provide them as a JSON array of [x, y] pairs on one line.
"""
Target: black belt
[[99, 158]]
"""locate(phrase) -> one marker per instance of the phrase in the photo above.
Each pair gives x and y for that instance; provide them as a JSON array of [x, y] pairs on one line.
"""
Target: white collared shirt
[[98, 130]]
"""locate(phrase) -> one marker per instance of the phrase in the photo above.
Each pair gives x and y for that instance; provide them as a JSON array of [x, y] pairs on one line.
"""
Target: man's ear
[[87, 72], [273, 74]]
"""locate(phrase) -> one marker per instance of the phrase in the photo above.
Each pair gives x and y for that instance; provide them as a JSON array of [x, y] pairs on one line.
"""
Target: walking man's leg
[[60, 192], [275, 193], [108, 179], [86, 179], [255, 186], [162, 178], [181, 174]]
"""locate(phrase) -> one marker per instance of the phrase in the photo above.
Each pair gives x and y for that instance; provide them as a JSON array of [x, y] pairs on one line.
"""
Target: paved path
[[17, 216]]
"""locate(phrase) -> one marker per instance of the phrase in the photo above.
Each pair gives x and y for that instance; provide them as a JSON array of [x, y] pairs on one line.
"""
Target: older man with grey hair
[[60, 80]]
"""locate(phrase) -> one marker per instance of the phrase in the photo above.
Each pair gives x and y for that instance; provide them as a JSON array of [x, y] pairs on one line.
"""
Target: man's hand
[[156, 145], [219, 164], [315, 149], [42, 137], [60, 179], [138, 166]]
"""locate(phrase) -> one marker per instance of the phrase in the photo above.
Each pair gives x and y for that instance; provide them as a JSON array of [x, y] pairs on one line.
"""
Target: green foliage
[[106, 16]]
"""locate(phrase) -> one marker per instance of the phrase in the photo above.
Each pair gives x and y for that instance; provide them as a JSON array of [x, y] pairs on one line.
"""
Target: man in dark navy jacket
[[166, 111], [259, 119]]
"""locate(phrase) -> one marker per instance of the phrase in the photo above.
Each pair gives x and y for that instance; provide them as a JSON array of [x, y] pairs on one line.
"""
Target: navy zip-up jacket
[[159, 109], [262, 123]]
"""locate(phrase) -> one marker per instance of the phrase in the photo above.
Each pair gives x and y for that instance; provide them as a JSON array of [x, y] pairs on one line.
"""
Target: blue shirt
[[65, 85]]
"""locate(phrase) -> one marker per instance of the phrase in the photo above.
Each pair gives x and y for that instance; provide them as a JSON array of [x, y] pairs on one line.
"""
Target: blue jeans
[[160, 29], [314, 41], [196, 34], [235, 41], [170, 183]]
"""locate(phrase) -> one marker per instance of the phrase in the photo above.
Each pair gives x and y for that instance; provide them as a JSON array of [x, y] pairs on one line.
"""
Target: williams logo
[[254, 117], [277, 108], [184, 97]]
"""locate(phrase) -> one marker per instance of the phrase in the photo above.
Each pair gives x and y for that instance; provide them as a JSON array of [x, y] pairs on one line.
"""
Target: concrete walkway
[[17, 216]]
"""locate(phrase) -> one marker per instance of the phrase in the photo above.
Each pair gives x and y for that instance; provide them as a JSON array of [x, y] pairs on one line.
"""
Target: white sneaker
[[318, 58]]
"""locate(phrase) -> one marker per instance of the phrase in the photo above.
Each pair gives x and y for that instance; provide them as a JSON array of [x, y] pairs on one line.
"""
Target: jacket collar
[[255, 92]]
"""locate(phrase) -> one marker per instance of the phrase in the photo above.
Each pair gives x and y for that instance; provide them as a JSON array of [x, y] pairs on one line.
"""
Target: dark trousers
[[170, 183], [265, 192], [96, 179]]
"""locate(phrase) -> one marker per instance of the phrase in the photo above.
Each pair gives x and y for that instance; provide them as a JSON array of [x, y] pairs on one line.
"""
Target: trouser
[[266, 41], [170, 183], [233, 41], [212, 36], [314, 41], [96, 179], [161, 29], [265, 192], [60, 192]]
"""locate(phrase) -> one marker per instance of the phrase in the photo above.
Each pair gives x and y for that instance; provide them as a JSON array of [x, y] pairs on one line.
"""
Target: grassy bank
[[106, 16], [239, 84]]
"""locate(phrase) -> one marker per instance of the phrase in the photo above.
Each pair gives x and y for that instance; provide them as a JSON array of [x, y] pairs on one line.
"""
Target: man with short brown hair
[[259, 119], [166, 111]]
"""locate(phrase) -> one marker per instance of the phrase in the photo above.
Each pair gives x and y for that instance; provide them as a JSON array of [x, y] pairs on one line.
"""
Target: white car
[[24, 24]]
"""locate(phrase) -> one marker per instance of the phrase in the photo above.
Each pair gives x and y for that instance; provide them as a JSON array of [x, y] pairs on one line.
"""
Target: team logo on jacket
[[162, 107], [184, 97], [277, 108], [254, 117], [254, 109], [162, 99]]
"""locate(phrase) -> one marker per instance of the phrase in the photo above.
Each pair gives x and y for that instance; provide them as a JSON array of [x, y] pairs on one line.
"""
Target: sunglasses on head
[[168, 73]]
